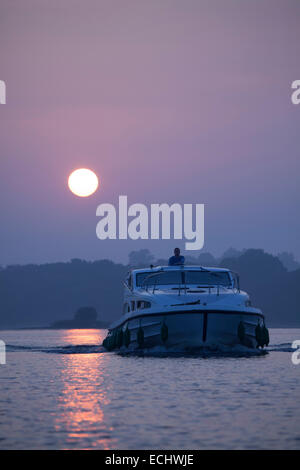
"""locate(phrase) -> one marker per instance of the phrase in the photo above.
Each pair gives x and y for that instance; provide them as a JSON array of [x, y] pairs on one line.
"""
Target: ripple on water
[[60, 389]]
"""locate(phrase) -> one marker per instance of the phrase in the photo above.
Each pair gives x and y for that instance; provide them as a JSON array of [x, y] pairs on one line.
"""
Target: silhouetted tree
[[206, 259], [85, 315], [288, 260], [141, 258], [232, 253], [161, 262], [260, 264]]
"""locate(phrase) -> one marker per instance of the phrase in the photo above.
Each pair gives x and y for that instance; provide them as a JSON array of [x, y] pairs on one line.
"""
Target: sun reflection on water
[[84, 395]]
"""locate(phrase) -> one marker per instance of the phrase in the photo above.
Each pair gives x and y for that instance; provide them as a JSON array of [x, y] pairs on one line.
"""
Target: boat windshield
[[199, 278], [208, 278]]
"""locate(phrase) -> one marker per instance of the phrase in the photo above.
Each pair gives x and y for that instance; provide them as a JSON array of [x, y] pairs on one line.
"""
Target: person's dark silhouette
[[177, 259]]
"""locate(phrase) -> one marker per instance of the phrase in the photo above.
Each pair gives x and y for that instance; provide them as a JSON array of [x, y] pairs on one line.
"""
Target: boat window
[[163, 278], [132, 305], [208, 278], [199, 278], [126, 308], [142, 304]]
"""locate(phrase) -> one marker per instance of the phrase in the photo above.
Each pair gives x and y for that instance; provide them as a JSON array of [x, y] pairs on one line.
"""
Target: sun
[[83, 182]]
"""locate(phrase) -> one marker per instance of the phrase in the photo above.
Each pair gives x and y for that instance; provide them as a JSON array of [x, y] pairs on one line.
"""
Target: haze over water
[[59, 390]]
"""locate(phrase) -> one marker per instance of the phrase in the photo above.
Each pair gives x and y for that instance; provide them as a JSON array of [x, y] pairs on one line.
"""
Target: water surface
[[61, 390]]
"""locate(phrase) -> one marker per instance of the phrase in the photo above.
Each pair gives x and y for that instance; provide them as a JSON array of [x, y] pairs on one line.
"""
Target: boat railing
[[182, 285], [127, 286], [236, 281], [146, 286]]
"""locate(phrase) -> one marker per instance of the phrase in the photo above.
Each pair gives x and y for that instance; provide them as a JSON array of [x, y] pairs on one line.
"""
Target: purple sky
[[168, 101]]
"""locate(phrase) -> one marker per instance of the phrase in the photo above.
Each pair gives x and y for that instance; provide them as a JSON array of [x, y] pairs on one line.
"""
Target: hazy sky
[[168, 101]]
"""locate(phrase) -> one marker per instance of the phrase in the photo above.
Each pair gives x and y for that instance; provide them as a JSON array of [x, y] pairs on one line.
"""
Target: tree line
[[40, 295]]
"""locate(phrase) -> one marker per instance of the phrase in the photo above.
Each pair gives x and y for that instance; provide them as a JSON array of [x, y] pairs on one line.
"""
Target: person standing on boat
[[177, 259]]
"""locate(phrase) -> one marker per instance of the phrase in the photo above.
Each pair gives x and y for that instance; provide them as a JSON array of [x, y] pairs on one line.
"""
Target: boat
[[185, 308]]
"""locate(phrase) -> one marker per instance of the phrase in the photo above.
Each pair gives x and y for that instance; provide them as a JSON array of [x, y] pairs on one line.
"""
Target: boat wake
[[283, 347], [69, 349], [217, 351], [159, 351]]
